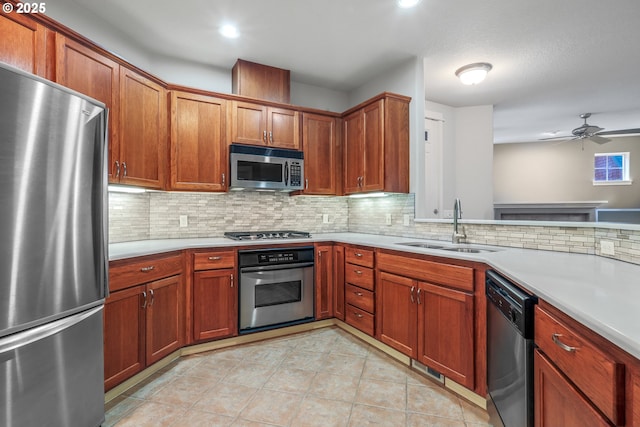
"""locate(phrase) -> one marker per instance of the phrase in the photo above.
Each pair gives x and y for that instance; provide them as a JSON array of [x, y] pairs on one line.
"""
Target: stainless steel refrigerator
[[53, 253]]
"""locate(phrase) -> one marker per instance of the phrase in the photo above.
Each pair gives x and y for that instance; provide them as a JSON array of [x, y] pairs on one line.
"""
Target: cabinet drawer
[[133, 273], [594, 372], [359, 319], [358, 256], [359, 297], [359, 276], [213, 260]]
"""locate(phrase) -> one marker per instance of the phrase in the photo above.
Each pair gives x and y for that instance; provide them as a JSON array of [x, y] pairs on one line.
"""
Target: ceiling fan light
[[405, 4], [473, 73]]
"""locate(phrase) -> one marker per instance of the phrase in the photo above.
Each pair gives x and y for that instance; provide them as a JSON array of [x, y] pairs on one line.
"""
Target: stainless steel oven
[[276, 287]]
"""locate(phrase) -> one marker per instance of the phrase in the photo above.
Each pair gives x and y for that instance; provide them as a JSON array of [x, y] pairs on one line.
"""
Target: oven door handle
[[276, 267]]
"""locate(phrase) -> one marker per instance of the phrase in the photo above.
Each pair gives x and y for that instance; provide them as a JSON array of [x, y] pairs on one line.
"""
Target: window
[[611, 168]]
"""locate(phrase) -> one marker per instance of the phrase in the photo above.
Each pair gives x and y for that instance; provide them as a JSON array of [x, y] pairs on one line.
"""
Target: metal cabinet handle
[[358, 272], [358, 293], [358, 315], [147, 269], [413, 289], [223, 181], [271, 137], [418, 296], [306, 183], [215, 258], [556, 339], [358, 254], [232, 280], [264, 136], [144, 303], [117, 169], [319, 253], [124, 167], [152, 297]]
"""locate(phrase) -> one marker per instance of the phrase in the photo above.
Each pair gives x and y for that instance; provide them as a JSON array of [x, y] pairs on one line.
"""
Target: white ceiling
[[552, 59]]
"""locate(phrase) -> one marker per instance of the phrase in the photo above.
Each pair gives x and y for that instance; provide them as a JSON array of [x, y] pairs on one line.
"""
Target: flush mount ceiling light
[[405, 4], [229, 31], [473, 73]]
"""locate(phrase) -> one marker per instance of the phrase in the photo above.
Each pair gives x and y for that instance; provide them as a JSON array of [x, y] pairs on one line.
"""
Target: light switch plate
[[325, 218], [607, 247], [406, 220], [184, 221], [388, 219]]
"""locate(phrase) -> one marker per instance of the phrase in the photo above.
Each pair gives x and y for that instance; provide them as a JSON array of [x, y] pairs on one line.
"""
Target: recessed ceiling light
[[407, 3], [229, 31], [473, 73]]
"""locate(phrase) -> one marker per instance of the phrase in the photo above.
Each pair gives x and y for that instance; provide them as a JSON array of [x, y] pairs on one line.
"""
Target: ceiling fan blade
[[598, 139], [619, 132], [557, 137]]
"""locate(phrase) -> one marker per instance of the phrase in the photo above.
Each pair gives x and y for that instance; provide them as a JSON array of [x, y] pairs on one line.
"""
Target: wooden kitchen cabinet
[[557, 402], [215, 295], [360, 287], [257, 124], [320, 153], [23, 43], [143, 315], [376, 145], [141, 153], [90, 73], [198, 145], [261, 81], [338, 282], [397, 314], [324, 282]]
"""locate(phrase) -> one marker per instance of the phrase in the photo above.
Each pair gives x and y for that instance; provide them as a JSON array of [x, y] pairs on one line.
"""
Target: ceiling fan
[[594, 133]]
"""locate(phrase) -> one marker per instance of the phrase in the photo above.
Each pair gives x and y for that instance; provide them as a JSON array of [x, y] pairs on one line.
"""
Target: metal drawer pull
[[413, 289], [358, 293], [145, 269], [556, 339], [358, 315], [358, 254], [215, 258], [357, 271]]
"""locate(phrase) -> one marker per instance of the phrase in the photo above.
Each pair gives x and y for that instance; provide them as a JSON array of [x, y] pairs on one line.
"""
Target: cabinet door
[[373, 163], [324, 282], [397, 313], [284, 128], [215, 304], [248, 123], [557, 402], [198, 144], [445, 332], [164, 316], [94, 75], [338, 282], [353, 158], [23, 43], [319, 142], [124, 331], [143, 130]]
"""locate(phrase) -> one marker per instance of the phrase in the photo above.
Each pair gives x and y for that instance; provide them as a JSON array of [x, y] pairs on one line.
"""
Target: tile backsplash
[[156, 215]]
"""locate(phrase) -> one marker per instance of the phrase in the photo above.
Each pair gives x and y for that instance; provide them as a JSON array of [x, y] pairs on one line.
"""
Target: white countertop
[[601, 293]]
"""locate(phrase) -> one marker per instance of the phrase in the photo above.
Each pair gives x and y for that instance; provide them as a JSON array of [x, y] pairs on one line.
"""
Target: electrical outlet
[[325, 218], [388, 219], [607, 247], [406, 221], [184, 221]]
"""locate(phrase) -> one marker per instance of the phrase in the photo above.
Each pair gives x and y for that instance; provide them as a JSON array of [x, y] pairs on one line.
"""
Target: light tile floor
[[323, 378]]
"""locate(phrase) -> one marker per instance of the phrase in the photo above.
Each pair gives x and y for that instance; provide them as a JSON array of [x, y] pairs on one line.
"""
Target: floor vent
[[431, 373]]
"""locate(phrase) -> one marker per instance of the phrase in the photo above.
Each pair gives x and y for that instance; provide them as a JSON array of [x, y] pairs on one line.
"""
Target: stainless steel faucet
[[457, 214]]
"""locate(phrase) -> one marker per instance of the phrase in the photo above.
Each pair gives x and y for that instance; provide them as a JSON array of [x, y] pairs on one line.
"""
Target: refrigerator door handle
[[18, 340]]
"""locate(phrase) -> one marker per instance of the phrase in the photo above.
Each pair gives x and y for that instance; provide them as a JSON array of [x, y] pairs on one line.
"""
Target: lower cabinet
[[432, 324], [360, 287], [142, 325], [215, 295], [324, 282], [557, 402]]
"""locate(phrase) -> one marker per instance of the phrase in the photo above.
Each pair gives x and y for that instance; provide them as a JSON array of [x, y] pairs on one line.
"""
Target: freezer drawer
[[52, 375]]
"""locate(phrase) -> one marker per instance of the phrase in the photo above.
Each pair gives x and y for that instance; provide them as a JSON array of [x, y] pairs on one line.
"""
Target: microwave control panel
[[296, 174]]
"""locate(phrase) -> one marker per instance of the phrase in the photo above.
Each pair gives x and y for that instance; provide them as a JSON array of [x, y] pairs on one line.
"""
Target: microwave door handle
[[286, 174]]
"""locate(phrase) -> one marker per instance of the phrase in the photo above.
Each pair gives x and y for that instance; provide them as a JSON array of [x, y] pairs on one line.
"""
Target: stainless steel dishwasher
[[509, 352]]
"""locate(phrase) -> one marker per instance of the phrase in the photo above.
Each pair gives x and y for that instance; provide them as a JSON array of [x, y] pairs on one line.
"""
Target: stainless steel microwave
[[268, 169]]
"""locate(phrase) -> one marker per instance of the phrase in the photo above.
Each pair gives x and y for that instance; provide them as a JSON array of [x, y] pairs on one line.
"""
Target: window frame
[[626, 180]]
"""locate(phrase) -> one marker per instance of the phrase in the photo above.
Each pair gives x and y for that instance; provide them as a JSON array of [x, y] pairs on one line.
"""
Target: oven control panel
[[284, 256], [277, 257]]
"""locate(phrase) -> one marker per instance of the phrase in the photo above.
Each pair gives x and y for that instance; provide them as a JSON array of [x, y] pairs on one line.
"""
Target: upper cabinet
[[198, 159], [141, 153], [257, 124], [23, 43], [319, 140], [376, 145], [95, 75], [260, 81]]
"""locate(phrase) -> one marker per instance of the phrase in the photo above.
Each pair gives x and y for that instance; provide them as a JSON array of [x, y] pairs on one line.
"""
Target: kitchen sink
[[422, 245], [468, 250], [457, 248]]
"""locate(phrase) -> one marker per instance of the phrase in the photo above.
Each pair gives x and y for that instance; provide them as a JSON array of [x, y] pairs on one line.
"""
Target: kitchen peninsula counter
[[601, 293]]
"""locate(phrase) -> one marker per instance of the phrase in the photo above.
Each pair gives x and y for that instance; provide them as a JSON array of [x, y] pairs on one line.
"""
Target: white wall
[[319, 98], [474, 160]]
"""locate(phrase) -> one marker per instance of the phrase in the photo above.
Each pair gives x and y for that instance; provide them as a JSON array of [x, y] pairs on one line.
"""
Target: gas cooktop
[[261, 235]]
